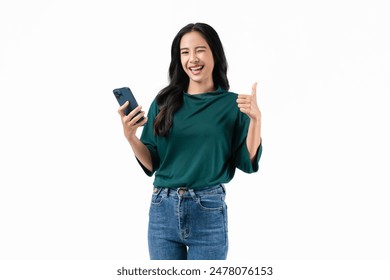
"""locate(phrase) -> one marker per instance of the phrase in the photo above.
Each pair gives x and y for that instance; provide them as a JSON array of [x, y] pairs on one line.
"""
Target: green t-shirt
[[205, 145]]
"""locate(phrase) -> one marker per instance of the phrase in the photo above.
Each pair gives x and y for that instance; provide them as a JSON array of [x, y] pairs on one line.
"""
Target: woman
[[196, 134]]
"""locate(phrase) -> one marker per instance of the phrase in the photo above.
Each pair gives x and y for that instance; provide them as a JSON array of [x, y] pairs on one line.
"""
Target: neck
[[198, 88]]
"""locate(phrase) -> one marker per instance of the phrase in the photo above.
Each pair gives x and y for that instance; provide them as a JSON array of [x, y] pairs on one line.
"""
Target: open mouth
[[196, 69]]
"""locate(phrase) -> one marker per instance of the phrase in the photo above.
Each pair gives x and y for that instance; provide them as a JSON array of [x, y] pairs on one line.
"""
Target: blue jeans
[[188, 224]]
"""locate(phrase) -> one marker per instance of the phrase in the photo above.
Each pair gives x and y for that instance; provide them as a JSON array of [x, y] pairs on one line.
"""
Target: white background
[[71, 188]]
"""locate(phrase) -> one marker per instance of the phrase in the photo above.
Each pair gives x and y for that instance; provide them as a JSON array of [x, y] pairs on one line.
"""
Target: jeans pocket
[[211, 202], [158, 197]]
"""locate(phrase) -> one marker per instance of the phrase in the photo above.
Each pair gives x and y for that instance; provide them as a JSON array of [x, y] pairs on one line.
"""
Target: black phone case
[[124, 94]]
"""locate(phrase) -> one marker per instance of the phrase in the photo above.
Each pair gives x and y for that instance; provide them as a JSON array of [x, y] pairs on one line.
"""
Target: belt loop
[[163, 192], [166, 192], [192, 193]]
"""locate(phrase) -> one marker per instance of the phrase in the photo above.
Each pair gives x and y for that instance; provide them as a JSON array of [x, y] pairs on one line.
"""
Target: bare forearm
[[253, 138], [141, 152], [248, 105]]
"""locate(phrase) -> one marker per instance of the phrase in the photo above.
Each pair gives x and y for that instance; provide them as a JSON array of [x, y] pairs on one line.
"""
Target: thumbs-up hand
[[248, 104]]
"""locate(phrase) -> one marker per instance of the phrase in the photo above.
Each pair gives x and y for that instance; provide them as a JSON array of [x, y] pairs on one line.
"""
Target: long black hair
[[170, 98]]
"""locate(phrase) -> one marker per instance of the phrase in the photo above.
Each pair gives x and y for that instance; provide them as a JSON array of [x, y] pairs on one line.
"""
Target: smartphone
[[124, 94]]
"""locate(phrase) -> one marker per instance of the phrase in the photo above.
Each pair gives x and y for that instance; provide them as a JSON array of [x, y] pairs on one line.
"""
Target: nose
[[193, 58]]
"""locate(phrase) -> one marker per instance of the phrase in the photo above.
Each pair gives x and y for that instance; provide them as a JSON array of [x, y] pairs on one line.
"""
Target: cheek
[[210, 65], [183, 64], [211, 62]]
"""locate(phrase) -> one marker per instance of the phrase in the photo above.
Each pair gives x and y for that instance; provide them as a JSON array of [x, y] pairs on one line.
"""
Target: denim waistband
[[183, 191]]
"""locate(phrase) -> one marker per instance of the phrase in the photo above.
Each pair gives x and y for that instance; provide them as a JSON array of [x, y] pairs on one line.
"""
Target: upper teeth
[[196, 68]]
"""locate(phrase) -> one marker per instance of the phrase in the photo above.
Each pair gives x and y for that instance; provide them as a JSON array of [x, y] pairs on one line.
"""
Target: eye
[[184, 52]]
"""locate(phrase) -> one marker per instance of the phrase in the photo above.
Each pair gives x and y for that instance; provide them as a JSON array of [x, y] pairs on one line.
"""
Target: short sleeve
[[241, 154], [149, 139]]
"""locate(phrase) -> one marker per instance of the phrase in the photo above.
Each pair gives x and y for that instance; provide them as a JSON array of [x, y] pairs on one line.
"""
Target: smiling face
[[197, 61]]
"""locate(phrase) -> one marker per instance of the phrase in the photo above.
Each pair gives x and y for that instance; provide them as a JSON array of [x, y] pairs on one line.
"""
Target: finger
[[254, 88], [243, 98], [128, 118], [244, 105], [122, 109], [135, 111], [244, 110], [137, 118], [244, 102], [144, 121]]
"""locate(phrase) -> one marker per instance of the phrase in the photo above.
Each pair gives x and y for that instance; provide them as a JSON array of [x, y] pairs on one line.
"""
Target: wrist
[[132, 138], [256, 119]]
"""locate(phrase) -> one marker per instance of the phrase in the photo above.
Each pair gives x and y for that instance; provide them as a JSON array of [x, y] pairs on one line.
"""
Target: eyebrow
[[198, 47]]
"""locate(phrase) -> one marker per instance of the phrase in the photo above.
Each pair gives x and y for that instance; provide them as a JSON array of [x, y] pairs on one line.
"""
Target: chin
[[196, 79]]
